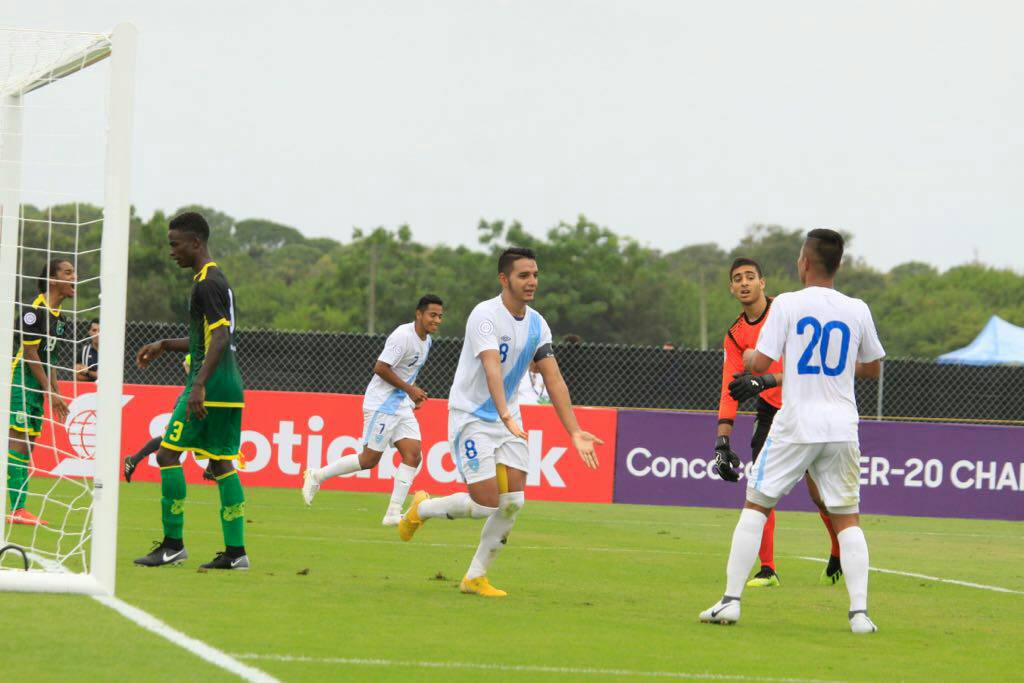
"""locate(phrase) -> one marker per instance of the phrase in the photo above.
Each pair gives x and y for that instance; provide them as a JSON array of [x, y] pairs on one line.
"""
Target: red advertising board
[[283, 433]]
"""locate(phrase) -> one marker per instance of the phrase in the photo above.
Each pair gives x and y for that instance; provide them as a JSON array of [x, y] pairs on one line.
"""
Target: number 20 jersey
[[823, 334]]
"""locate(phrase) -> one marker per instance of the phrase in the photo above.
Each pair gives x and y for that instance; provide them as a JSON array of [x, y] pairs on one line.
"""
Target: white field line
[[939, 579], [154, 625], [526, 668], [599, 549], [196, 647]]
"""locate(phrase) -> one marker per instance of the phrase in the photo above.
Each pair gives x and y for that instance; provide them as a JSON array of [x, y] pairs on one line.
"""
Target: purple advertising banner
[[928, 470]]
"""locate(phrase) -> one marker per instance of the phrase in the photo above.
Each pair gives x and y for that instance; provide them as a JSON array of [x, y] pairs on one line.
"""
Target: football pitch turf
[[596, 592]]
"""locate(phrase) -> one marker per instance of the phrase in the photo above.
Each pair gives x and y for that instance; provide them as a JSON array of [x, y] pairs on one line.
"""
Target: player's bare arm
[[870, 370], [491, 361], [219, 339], [386, 373], [558, 391], [150, 352], [58, 406]]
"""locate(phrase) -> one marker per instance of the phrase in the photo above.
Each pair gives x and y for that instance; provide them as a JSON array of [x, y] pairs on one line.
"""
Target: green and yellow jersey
[[42, 327], [212, 305]]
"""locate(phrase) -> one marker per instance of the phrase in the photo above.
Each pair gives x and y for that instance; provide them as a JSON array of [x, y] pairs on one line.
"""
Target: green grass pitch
[[597, 592]]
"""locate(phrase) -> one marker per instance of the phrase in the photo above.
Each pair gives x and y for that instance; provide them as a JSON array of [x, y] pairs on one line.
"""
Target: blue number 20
[[503, 350], [820, 337]]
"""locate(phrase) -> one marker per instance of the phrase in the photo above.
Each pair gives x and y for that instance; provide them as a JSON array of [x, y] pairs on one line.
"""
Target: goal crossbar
[[96, 51]]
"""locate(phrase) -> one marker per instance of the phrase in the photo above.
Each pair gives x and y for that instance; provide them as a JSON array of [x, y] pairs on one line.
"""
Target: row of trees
[[594, 282]]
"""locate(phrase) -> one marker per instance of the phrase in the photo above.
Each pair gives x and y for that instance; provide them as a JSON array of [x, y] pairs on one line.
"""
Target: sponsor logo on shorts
[[20, 418]]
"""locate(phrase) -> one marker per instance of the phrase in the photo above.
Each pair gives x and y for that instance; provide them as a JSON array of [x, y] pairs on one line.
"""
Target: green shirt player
[[207, 417], [40, 326]]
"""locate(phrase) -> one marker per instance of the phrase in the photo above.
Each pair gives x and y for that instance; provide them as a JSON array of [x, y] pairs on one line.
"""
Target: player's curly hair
[[193, 222], [47, 273]]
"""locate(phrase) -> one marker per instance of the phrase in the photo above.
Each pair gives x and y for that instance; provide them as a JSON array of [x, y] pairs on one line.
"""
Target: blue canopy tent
[[999, 343]]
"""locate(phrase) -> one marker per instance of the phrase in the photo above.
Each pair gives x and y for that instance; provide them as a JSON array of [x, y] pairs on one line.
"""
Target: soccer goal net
[[65, 148]]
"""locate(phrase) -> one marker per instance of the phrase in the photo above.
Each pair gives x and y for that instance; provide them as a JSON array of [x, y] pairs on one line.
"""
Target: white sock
[[403, 480], [455, 506], [746, 540], [346, 464], [853, 554], [495, 532]]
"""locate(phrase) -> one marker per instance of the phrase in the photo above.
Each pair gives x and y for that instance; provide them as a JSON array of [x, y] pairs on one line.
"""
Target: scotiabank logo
[[284, 433]]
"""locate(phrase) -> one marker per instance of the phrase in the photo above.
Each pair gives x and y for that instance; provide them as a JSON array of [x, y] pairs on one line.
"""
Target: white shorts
[[381, 430], [835, 468], [479, 446]]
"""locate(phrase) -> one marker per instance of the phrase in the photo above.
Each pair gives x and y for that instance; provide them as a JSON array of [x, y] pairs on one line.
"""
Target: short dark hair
[[511, 255], [744, 261], [827, 248], [428, 299], [94, 321], [193, 222], [572, 339], [49, 270]]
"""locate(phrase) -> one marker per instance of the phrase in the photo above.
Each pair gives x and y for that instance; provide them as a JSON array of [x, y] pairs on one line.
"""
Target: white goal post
[[31, 66]]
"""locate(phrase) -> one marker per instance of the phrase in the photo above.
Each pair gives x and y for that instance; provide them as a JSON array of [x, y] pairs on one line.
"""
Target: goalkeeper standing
[[747, 285], [207, 417]]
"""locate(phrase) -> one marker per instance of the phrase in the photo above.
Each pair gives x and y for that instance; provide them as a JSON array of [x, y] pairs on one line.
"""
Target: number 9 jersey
[[823, 334]]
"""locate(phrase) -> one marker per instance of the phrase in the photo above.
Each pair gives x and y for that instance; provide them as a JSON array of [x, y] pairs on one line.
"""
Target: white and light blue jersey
[[492, 327], [406, 353], [823, 334]]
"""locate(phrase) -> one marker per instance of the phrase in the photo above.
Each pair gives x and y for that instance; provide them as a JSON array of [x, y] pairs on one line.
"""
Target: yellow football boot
[[482, 587], [411, 522]]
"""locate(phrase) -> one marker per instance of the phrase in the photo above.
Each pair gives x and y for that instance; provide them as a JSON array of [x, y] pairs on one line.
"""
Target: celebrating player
[[388, 406], [503, 335], [829, 338], [40, 325], [747, 285], [207, 417]]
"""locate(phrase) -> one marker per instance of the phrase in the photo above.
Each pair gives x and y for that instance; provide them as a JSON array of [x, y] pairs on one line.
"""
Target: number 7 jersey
[[212, 305], [823, 334]]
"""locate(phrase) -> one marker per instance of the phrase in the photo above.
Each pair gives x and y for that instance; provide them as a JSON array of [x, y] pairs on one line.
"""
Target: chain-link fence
[[597, 374]]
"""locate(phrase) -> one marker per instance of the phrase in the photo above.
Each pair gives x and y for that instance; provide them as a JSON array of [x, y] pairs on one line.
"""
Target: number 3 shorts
[[479, 446]]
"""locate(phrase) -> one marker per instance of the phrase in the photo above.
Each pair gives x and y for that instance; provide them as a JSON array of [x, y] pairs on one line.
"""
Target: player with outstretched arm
[[747, 284], [828, 339], [207, 417], [391, 397], [503, 335]]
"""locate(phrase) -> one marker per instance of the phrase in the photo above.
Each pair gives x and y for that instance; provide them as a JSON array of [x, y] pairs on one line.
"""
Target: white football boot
[[310, 485], [721, 613], [861, 623], [393, 516]]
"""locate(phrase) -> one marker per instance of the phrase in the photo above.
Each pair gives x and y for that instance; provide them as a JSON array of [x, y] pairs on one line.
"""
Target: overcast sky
[[671, 122]]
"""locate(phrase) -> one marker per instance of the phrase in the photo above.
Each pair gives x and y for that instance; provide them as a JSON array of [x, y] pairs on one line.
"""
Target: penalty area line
[[526, 668], [176, 637], [938, 579]]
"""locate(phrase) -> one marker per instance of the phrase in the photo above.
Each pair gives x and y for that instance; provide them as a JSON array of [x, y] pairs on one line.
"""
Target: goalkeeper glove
[[744, 385], [727, 463]]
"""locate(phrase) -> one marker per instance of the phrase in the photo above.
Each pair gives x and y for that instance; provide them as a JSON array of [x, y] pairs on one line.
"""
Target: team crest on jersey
[[30, 318]]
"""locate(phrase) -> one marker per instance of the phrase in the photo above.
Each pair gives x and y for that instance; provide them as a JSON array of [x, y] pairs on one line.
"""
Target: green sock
[[17, 479], [172, 488], [232, 509]]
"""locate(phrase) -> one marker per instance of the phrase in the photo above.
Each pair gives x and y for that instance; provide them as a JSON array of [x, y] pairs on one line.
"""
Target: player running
[[829, 338], [41, 325], [747, 285], [207, 417], [503, 335], [391, 397]]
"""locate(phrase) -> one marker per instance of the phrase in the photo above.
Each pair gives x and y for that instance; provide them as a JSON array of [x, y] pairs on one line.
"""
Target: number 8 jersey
[[823, 334], [492, 327]]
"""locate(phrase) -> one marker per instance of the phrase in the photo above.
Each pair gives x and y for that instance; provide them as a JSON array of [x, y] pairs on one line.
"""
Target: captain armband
[[543, 352]]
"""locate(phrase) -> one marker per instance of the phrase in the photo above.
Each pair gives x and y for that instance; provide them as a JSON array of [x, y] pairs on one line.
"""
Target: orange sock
[[767, 551], [831, 532]]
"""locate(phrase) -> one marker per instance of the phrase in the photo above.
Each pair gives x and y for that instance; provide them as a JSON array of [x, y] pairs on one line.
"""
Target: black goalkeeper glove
[[727, 464], [744, 385]]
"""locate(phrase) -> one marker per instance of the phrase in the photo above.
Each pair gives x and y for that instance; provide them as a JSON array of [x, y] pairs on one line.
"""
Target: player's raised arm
[[558, 391]]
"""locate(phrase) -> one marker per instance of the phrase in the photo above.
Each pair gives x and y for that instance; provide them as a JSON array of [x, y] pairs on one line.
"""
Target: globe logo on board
[[81, 426]]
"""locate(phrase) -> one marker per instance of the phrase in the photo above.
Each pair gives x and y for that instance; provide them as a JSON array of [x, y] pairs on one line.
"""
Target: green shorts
[[26, 411], [219, 436]]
